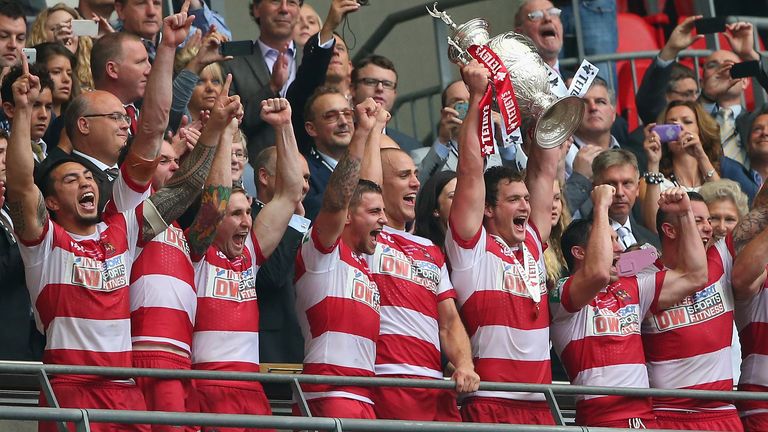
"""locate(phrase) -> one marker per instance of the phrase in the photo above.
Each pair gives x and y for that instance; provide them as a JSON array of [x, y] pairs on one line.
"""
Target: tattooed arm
[[750, 239], [329, 223], [25, 202], [173, 200], [271, 222], [216, 193]]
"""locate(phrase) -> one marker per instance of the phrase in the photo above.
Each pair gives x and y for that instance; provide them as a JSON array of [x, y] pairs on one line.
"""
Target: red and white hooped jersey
[[226, 333], [78, 286], [509, 332], [338, 306], [412, 278], [688, 345], [163, 298], [600, 344], [752, 323]]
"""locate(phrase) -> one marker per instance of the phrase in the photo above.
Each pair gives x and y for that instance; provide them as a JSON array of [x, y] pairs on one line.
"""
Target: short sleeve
[[35, 252], [315, 257], [445, 289], [649, 286], [464, 254], [126, 194]]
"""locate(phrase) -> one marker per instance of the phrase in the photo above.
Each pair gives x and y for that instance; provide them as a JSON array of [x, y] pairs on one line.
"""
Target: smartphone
[[710, 25], [236, 48], [30, 54], [85, 28], [668, 132], [745, 69], [462, 108], [631, 263]]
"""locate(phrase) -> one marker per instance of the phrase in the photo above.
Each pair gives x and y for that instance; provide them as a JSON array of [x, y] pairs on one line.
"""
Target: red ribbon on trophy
[[505, 95]]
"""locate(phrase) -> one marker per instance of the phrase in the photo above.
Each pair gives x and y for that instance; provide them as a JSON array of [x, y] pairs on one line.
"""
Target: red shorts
[[725, 420], [221, 399], [162, 394], [630, 423], [415, 403], [498, 410], [98, 395], [755, 422], [337, 407]]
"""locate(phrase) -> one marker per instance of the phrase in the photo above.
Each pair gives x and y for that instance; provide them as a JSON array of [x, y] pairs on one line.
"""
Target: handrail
[[259, 421], [374, 381], [398, 17]]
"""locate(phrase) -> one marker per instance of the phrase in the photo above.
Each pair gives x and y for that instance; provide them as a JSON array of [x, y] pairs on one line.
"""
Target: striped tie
[[729, 138]]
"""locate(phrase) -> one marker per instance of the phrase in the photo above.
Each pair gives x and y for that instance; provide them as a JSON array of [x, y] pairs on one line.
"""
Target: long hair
[[428, 225], [553, 256], [82, 73], [709, 134]]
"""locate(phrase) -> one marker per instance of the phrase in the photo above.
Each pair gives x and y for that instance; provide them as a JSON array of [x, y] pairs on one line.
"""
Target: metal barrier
[[82, 416]]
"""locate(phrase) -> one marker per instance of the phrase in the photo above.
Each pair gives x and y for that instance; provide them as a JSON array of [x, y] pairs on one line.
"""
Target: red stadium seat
[[635, 34]]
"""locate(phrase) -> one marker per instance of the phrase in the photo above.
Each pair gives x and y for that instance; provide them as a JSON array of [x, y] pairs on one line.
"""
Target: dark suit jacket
[[406, 142], [19, 339], [309, 76], [101, 178], [280, 339], [737, 172], [250, 80], [577, 191], [319, 174]]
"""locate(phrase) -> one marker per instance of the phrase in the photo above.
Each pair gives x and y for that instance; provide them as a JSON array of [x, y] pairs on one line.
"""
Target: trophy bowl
[[472, 32], [553, 120]]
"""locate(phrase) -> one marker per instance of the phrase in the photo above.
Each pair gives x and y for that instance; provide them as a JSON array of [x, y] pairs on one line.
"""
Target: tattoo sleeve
[[750, 226], [212, 210], [180, 191], [341, 185], [19, 215]]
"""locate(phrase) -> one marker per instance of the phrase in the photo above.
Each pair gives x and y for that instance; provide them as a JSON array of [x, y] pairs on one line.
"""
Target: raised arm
[[155, 109], [691, 271], [25, 202], [216, 193], [468, 206], [750, 239], [329, 222], [179, 193], [269, 226], [371, 166], [540, 180], [595, 273]]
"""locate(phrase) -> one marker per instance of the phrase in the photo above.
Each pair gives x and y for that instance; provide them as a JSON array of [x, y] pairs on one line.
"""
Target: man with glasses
[[375, 77], [540, 21], [330, 122]]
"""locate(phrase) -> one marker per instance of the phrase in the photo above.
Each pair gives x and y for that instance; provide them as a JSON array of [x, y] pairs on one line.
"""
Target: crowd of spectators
[[164, 205]]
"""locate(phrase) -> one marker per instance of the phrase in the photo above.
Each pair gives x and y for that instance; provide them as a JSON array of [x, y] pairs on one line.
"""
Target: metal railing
[[82, 417]]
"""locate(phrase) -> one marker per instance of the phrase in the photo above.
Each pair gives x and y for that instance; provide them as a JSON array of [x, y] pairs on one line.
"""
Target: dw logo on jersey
[[231, 285], [175, 237], [92, 274], [393, 262], [625, 321], [364, 290], [704, 305]]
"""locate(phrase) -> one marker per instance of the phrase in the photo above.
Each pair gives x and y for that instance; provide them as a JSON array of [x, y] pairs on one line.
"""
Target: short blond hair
[[725, 189]]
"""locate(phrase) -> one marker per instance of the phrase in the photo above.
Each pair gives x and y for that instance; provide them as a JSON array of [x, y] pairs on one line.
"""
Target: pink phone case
[[630, 263]]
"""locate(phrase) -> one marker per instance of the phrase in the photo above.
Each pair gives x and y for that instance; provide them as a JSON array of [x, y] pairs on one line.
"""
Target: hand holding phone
[[745, 69], [710, 25], [236, 48], [668, 132]]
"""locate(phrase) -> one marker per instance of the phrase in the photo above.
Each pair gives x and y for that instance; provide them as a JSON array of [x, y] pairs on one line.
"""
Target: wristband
[[653, 178]]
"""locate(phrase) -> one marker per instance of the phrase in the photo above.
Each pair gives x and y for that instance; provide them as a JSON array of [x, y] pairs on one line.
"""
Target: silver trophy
[[553, 120]]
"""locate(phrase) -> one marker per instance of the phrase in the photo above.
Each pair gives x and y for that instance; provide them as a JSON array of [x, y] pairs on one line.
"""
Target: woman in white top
[[690, 161]]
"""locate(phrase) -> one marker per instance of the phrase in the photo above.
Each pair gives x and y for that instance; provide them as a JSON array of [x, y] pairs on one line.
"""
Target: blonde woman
[[553, 256], [54, 24]]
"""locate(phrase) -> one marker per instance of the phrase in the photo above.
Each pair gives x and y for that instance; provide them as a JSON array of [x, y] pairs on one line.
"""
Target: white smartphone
[[85, 28], [30, 54]]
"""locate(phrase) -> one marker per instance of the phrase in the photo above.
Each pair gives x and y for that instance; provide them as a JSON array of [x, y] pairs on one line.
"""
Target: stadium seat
[[635, 34]]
